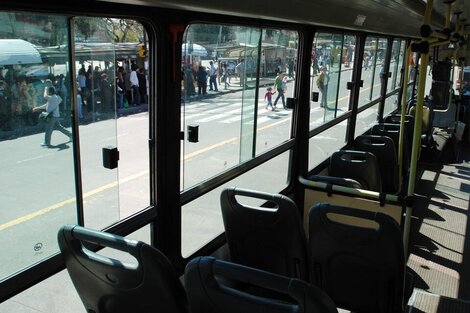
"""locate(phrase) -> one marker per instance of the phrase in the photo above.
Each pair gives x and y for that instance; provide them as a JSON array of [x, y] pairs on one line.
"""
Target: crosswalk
[[232, 111]]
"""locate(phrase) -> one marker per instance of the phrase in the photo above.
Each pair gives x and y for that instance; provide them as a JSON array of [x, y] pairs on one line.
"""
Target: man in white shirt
[[52, 107], [134, 80], [213, 76]]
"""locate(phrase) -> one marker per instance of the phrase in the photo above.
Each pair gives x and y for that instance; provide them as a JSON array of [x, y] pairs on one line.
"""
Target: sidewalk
[[234, 87]]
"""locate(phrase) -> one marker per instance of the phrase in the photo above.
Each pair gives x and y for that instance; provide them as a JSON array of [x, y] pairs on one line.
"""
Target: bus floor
[[439, 237]]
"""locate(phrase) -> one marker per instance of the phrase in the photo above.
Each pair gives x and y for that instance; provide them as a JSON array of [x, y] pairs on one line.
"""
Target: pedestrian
[[120, 90], [107, 94], [134, 81], [241, 71], [79, 103], [62, 91], [225, 78], [52, 107], [142, 85], [213, 77], [188, 81], [278, 86], [268, 96], [201, 80], [322, 84]]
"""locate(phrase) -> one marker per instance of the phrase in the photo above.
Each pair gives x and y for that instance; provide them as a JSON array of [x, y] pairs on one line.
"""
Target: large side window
[[111, 73], [38, 192], [47, 161], [236, 82]]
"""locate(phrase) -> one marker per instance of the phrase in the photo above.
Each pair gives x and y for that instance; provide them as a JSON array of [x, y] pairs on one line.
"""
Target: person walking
[[322, 84], [225, 77], [268, 96], [280, 90], [240, 70], [52, 107]]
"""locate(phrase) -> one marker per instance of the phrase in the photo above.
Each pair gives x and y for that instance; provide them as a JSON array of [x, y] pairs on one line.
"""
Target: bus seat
[[340, 181], [396, 118], [362, 269], [211, 288], [426, 122], [393, 131], [109, 285], [358, 165], [409, 125], [271, 239], [384, 150]]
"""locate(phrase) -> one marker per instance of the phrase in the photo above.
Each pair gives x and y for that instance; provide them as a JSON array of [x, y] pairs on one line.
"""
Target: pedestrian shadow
[[61, 146]]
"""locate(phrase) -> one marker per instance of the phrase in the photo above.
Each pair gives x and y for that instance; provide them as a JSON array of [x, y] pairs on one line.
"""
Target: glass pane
[[279, 53], [331, 70], [391, 104], [321, 146], [227, 58], [249, 39], [367, 73], [366, 119], [202, 218], [347, 59], [94, 57], [394, 65], [379, 67], [38, 191], [112, 83]]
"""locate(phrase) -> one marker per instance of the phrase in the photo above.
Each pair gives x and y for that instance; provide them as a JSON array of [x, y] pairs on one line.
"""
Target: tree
[[88, 26], [125, 30]]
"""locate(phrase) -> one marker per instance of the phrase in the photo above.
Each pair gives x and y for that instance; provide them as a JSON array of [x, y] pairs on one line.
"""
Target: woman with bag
[[52, 121]]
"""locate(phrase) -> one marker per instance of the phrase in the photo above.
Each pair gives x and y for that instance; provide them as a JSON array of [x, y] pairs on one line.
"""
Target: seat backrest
[[358, 165], [109, 285], [271, 239], [393, 131], [409, 126], [384, 150], [211, 288], [361, 268], [340, 181]]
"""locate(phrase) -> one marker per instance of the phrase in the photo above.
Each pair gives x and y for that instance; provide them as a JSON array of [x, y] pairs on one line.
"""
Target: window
[[373, 64], [39, 169], [332, 64], [229, 75], [227, 71], [396, 63]]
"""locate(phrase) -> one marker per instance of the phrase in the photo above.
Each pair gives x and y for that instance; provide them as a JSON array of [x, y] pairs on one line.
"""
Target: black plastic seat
[[409, 126], [108, 285], [210, 285], [384, 150], [362, 269], [340, 181], [393, 131], [271, 239], [358, 165]]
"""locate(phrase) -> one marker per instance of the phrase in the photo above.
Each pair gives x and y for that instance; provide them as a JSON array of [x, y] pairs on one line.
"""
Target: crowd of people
[[101, 92], [197, 77], [98, 92]]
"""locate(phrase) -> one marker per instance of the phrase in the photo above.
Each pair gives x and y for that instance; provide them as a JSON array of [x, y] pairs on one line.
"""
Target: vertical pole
[[403, 113]]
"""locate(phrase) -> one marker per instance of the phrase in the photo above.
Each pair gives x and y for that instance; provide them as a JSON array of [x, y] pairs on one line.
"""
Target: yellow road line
[[114, 184], [56, 206]]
